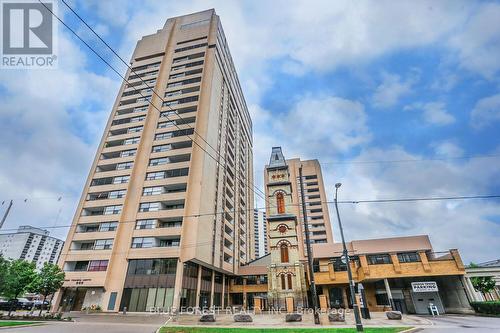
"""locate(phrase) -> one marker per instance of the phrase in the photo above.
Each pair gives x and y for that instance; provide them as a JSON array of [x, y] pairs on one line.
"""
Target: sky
[[396, 99]]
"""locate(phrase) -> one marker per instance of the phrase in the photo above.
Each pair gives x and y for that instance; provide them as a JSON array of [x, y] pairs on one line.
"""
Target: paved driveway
[[97, 324], [468, 324]]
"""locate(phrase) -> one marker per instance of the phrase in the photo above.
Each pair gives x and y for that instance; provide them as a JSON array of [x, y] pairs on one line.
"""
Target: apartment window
[[408, 257], [86, 246], [149, 207], [117, 194], [111, 210], [166, 124], [103, 244], [137, 119], [283, 282], [289, 280], [124, 166], [158, 161], [169, 242], [155, 190], [162, 148], [145, 224], [142, 242], [127, 153], [131, 141], [185, 82], [108, 226], [377, 259], [121, 179], [155, 175], [190, 47], [81, 266], [136, 129], [98, 265]]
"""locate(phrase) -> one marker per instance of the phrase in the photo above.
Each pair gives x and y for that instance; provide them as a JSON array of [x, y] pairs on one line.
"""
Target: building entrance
[[421, 302]]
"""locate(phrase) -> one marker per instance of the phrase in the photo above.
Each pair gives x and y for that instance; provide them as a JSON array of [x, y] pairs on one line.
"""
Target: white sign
[[424, 287]]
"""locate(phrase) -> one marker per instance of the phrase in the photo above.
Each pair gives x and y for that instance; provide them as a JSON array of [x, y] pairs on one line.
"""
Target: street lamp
[[359, 325]]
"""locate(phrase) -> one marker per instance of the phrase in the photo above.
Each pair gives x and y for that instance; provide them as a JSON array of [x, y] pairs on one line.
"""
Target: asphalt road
[[458, 324]]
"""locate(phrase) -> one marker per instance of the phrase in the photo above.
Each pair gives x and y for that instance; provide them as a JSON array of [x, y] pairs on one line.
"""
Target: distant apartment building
[[260, 233], [31, 244], [166, 212]]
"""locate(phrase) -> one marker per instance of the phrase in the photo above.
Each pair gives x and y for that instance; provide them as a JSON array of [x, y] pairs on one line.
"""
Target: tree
[[483, 284], [18, 279], [4, 266], [48, 281]]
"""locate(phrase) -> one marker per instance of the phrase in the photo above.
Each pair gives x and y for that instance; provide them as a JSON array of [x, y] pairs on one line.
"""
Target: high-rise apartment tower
[[167, 210]]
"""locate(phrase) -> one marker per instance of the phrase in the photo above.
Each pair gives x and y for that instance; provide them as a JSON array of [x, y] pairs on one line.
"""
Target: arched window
[[283, 282], [280, 203], [284, 253], [289, 280]]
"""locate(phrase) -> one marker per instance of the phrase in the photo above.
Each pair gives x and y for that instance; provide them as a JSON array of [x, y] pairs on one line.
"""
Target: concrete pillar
[[244, 293], [212, 289], [395, 262], [322, 303], [178, 285], [425, 261], [389, 293], [56, 300], [198, 287], [223, 303]]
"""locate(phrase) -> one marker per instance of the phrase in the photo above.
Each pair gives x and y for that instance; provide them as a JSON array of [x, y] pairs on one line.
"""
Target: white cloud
[[392, 88], [466, 225], [478, 43], [434, 113], [51, 123], [486, 111], [332, 124], [447, 149]]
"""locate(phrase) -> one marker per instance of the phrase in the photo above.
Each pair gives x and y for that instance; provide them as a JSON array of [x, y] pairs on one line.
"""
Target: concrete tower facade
[[167, 210]]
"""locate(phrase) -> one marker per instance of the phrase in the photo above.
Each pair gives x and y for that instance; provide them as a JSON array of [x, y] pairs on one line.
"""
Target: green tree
[[48, 281], [4, 266], [483, 284], [19, 278]]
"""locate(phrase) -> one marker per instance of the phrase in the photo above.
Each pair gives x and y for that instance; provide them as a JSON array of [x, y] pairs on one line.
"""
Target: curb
[[411, 330]]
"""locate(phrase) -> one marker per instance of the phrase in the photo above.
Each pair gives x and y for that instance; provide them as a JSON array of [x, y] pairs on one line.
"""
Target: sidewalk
[[274, 320]]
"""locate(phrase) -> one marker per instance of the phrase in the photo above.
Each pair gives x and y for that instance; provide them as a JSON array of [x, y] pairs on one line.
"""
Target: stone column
[[212, 290], [198, 287], [223, 290], [389, 293], [179, 272]]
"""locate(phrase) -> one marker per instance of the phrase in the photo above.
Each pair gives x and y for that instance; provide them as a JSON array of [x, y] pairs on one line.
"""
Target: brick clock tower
[[286, 278]]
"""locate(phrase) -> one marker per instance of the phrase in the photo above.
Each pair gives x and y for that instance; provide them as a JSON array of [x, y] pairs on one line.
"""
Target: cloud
[[447, 149], [333, 123], [51, 123], [486, 111], [466, 224], [434, 113], [478, 43], [392, 88]]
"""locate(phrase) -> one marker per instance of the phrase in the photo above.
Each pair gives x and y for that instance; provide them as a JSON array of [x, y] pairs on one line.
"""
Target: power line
[[412, 160], [416, 199], [149, 102], [147, 84]]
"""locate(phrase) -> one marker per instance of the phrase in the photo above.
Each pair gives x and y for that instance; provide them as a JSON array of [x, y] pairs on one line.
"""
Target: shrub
[[492, 308]]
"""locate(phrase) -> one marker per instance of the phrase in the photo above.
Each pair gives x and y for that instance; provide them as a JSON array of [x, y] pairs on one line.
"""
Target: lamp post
[[359, 325]]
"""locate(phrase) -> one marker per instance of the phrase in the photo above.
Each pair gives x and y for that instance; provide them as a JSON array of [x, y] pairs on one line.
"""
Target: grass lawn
[[16, 323], [277, 330]]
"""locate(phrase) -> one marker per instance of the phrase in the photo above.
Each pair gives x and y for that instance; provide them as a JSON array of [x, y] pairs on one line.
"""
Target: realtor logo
[[28, 34]]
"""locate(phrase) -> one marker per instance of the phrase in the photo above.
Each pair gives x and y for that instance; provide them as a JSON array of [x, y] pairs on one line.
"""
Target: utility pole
[[312, 283], [359, 325], [6, 214]]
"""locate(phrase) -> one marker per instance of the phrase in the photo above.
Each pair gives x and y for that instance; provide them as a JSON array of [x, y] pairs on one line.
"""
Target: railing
[[439, 256]]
